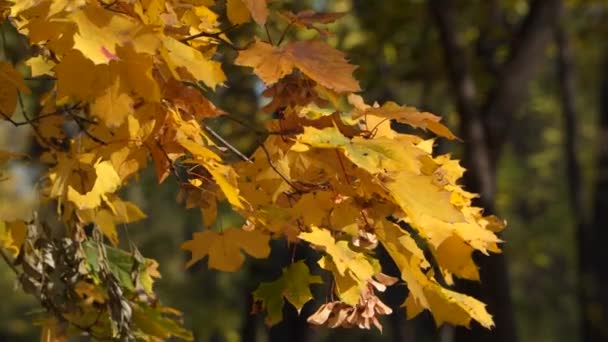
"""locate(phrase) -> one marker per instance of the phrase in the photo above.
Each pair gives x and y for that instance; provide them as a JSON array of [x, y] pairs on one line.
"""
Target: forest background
[[523, 83]]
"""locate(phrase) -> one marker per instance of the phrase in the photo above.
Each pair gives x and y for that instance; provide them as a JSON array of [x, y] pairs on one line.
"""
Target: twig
[[257, 131], [84, 130], [285, 33], [342, 166], [41, 116], [226, 144], [278, 172], [215, 35], [27, 118], [268, 34]]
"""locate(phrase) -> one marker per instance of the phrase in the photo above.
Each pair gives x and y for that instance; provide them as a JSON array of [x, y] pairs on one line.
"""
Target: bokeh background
[[523, 83]]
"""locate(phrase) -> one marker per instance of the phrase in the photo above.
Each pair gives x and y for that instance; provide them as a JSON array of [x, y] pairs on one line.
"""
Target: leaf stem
[[284, 33]]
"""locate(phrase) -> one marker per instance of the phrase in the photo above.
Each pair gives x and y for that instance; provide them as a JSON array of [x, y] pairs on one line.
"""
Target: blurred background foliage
[[398, 48]]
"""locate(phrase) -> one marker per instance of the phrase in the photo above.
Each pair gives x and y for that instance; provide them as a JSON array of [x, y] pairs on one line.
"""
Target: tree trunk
[[484, 130], [592, 238]]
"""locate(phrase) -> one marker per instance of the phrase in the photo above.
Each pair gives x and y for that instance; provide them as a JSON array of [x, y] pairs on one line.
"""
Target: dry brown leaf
[[308, 19]]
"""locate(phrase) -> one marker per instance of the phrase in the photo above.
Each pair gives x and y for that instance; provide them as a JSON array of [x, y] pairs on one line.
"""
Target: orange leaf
[[258, 10], [412, 117], [309, 18], [316, 59]]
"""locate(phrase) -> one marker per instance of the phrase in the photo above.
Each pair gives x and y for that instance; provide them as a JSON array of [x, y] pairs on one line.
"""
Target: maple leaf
[[136, 70], [293, 285], [354, 269], [189, 64], [224, 249], [40, 66], [410, 116], [106, 180], [100, 31], [451, 307], [75, 76], [114, 105], [342, 255], [237, 12], [316, 59], [12, 235], [241, 11], [308, 19]]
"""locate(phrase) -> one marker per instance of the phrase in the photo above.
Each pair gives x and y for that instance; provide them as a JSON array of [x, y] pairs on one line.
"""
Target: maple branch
[[278, 172], [173, 170], [40, 78], [78, 120], [110, 5], [25, 115], [42, 116], [285, 33], [226, 144], [268, 34], [215, 35], [261, 132], [342, 166]]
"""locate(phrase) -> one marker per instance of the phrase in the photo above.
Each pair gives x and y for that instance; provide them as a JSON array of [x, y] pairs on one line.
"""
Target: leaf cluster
[[129, 87]]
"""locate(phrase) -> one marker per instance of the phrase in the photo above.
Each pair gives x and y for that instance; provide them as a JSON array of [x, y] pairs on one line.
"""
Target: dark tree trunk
[[567, 94], [484, 130], [592, 239]]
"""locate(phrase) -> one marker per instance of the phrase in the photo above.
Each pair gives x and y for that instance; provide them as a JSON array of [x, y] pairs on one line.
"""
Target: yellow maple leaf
[[224, 249], [341, 254], [316, 59], [40, 66], [410, 116], [189, 64], [114, 105], [75, 76], [12, 235], [106, 181], [136, 71], [237, 12], [100, 31], [451, 307], [456, 256], [407, 256]]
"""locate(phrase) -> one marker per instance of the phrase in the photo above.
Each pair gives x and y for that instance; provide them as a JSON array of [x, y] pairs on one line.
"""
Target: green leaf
[[151, 321], [293, 285]]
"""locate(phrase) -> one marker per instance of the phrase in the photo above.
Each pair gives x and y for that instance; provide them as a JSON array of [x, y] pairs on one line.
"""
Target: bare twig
[[78, 120], [215, 35], [278, 172], [226, 144], [268, 34], [284, 33]]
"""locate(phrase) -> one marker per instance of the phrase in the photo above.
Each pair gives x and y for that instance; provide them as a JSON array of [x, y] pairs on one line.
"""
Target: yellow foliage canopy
[[130, 83]]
